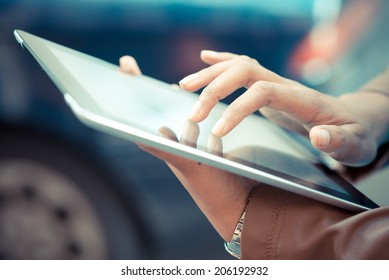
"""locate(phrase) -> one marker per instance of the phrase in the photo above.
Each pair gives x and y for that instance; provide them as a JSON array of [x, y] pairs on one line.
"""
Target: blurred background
[[68, 192]]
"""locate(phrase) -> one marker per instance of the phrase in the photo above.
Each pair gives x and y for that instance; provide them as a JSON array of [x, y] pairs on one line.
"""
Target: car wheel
[[55, 204]]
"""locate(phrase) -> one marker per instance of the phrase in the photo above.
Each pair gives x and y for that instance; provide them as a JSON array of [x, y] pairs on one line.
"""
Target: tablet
[[137, 107]]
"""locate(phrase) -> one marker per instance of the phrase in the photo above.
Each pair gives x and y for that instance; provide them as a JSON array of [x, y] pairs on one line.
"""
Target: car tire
[[56, 203]]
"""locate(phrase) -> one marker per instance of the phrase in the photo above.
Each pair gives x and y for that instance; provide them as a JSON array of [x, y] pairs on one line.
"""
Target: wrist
[[371, 109]]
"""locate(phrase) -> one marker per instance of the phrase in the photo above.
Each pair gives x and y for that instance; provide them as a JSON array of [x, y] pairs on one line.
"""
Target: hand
[[220, 195], [335, 125]]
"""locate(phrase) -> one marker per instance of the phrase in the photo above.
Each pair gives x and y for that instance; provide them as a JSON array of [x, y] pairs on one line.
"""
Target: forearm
[[372, 110], [380, 86]]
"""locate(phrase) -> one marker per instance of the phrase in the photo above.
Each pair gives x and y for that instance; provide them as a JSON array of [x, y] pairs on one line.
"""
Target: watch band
[[233, 247]]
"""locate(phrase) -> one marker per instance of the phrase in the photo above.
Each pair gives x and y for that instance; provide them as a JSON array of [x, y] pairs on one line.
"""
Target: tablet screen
[[147, 104], [150, 106]]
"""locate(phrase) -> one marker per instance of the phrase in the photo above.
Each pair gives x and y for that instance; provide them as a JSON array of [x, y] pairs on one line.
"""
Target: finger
[[222, 61], [242, 72], [129, 65], [176, 163], [200, 79], [233, 78], [212, 57], [190, 133], [302, 105], [345, 143], [215, 145], [165, 156]]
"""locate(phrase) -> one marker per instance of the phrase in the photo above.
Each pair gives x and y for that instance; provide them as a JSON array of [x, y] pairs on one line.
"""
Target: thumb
[[172, 160], [345, 143], [129, 65]]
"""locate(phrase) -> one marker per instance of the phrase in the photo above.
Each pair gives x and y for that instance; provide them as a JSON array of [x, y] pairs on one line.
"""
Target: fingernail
[[219, 127], [214, 145], [195, 113], [190, 133], [324, 137], [208, 52], [189, 79]]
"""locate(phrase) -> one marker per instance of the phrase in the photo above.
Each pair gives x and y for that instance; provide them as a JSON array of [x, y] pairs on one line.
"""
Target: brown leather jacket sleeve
[[284, 225]]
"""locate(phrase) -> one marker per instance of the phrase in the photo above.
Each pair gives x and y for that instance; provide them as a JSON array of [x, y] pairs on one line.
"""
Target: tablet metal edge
[[220, 162], [18, 38]]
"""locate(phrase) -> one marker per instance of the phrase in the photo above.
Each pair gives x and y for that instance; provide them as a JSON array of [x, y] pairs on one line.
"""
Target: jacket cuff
[[263, 222], [282, 225]]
